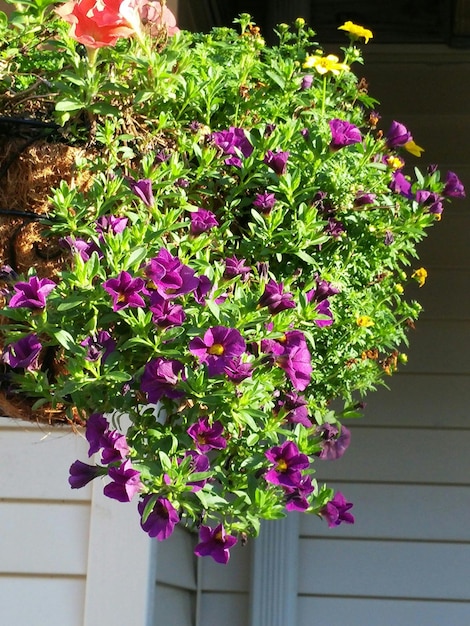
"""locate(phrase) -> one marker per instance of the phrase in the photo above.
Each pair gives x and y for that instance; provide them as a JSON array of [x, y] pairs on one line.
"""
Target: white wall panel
[[440, 347], [224, 609], [44, 538], [35, 461], [412, 512], [424, 400], [385, 569], [415, 456], [235, 576], [333, 611], [176, 560], [174, 607], [41, 601]]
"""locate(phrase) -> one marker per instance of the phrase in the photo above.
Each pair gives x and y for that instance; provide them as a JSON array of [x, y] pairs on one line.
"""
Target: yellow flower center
[[282, 466], [217, 349]]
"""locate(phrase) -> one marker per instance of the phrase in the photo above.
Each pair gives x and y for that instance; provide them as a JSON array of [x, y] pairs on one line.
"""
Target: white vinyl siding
[[67, 557], [44, 527]]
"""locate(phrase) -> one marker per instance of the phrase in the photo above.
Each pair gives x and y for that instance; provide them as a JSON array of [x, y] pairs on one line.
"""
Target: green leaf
[[104, 108], [120, 377], [65, 339], [137, 256], [304, 256], [277, 79], [69, 105], [165, 461], [70, 303]]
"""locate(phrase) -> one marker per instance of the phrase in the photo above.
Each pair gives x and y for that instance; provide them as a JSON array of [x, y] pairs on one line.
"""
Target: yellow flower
[[364, 321], [395, 162], [413, 148], [420, 276], [325, 64], [357, 31]]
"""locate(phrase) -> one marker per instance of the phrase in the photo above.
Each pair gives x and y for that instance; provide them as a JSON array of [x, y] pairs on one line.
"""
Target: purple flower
[[334, 228], [161, 156], [401, 185], [115, 447], [99, 346], [334, 442], [217, 348], [165, 313], [23, 353], [33, 294], [84, 248], [125, 291], [126, 482], [111, 224], [8, 274], [453, 186], [82, 473], [169, 276], [96, 427], [296, 360], [321, 291], [238, 371], [112, 443], [307, 81], [183, 183], [362, 199], [236, 267], [142, 189], [326, 316], [202, 221], [264, 202], [269, 129], [161, 520], [389, 238], [160, 379], [203, 288], [320, 294], [233, 141], [305, 133], [343, 134], [275, 298], [296, 409], [287, 463], [199, 463], [398, 135], [215, 543], [336, 511], [432, 201], [207, 436], [233, 160], [296, 498], [277, 161]]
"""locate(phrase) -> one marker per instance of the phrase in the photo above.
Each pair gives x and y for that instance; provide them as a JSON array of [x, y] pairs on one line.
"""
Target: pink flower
[[99, 23], [158, 18]]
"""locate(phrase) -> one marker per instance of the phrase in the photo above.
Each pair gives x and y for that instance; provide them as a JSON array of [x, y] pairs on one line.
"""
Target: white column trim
[[274, 580], [121, 580]]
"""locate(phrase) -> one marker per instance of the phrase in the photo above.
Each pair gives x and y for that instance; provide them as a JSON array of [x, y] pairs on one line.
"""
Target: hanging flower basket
[[234, 233]]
